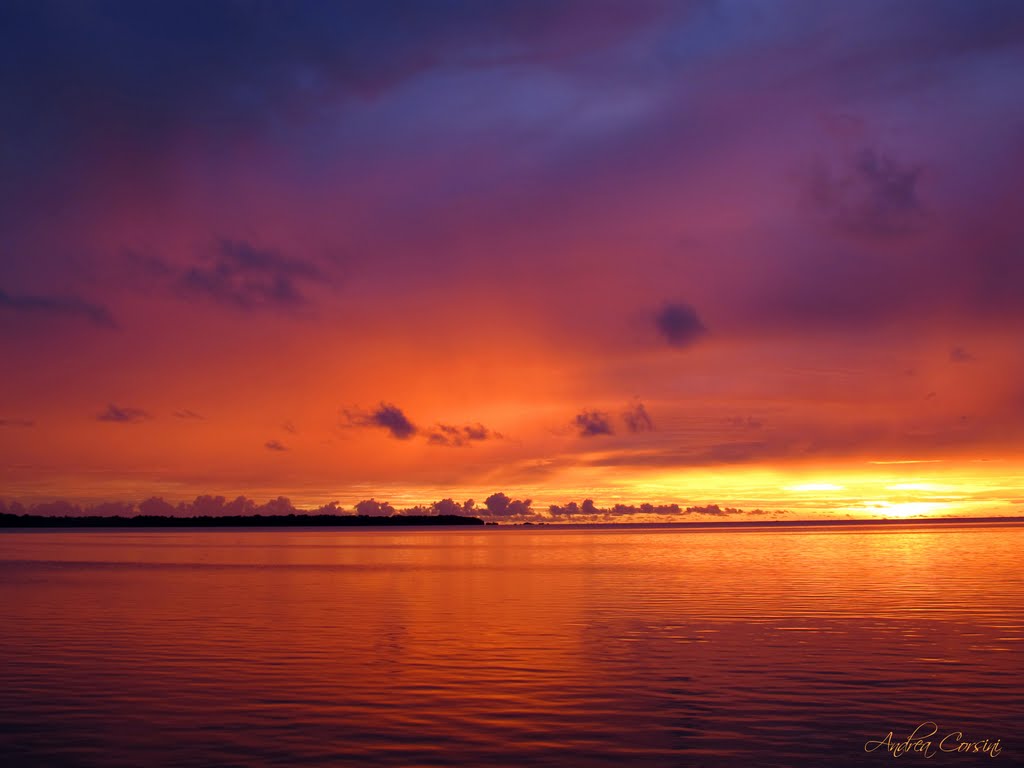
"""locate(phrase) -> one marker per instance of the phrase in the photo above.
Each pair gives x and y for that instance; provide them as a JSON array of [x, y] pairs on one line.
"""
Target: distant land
[[230, 521], [356, 521]]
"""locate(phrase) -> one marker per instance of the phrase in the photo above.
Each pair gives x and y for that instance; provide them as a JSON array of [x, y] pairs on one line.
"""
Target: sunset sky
[[757, 254]]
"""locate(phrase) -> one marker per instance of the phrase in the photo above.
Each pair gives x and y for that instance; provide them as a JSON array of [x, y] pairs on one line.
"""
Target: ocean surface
[[510, 646]]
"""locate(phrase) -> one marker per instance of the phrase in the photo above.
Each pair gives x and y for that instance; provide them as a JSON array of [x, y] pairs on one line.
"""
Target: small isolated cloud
[[679, 324], [274, 445], [637, 419], [185, 413], [960, 355], [122, 415], [289, 428], [449, 435], [17, 423], [386, 416], [71, 307], [593, 423]]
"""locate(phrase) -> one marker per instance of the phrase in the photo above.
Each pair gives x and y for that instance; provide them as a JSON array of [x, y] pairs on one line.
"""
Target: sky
[[762, 255]]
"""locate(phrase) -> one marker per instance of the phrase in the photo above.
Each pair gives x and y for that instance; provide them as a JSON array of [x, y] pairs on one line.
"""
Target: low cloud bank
[[495, 508]]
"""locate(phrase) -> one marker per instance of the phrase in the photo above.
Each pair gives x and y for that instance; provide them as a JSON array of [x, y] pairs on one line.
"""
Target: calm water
[[508, 647]]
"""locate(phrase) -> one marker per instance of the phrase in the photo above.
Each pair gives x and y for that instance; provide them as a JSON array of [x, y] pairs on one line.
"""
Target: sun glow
[[905, 509], [813, 487]]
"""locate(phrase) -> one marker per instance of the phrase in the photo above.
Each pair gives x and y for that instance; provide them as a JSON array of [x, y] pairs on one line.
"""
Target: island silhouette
[[230, 521]]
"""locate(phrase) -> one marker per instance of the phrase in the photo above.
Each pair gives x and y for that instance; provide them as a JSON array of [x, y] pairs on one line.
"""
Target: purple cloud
[[679, 324], [121, 415], [593, 423]]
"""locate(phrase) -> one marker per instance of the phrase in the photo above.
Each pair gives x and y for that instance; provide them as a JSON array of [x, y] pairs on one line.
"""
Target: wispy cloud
[[450, 435], [236, 274], [872, 195], [71, 307], [17, 423], [123, 415], [960, 355], [637, 419]]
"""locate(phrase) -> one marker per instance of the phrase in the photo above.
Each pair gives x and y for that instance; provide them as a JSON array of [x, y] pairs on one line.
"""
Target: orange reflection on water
[[504, 647]]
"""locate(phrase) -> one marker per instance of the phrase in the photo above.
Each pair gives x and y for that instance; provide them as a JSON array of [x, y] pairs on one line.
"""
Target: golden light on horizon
[[906, 509], [812, 487]]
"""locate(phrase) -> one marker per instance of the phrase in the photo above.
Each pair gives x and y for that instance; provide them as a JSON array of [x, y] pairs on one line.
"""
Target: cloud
[[185, 413], [588, 511], [501, 505], [637, 419], [240, 275], [714, 510], [593, 423], [679, 324], [392, 418], [447, 434], [960, 355], [497, 506], [386, 416], [873, 195], [374, 508], [274, 445], [17, 423], [59, 306], [123, 415]]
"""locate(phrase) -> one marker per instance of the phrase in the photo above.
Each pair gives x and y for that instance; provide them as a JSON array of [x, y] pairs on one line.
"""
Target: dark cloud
[[447, 434], [289, 428], [123, 415], [499, 505], [386, 416], [679, 324], [593, 423], [240, 275], [392, 418], [374, 508], [17, 423], [130, 80], [185, 413], [714, 510], [960, 355], [637, 419], [452, 507], [71, 307], [588, 511], [274, 445], [873, 195]]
